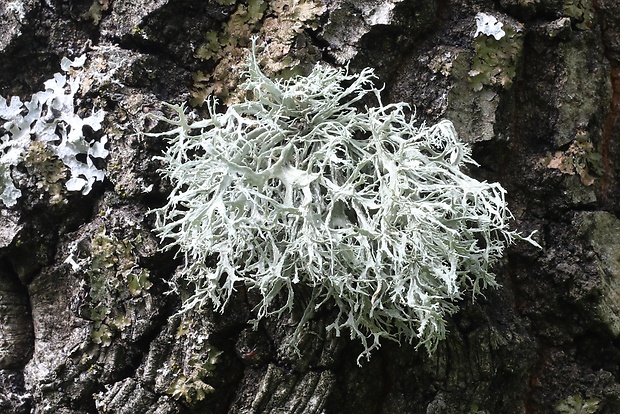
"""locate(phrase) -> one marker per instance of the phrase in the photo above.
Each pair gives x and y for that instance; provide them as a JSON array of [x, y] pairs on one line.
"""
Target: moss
[[279, 23]]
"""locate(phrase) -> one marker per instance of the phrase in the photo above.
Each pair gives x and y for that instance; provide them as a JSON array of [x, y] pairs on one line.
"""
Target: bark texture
[[86, 325]]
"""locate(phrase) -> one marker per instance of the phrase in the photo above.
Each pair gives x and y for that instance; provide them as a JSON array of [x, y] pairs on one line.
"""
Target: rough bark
[[540, 108]]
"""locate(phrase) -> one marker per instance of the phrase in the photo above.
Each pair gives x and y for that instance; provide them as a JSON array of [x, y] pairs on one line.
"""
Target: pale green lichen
[[96, 10], [312, 202], [474, 409], [193, 364], [442, 60], [49, 171], [488, 67]]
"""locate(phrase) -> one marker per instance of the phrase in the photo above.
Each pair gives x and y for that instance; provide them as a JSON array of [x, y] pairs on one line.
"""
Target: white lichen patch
[[312, 202], [380, 14], [16, 7], [50, 118], [489, 25]]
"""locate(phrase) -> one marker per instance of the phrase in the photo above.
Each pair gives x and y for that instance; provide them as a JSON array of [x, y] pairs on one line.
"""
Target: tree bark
[[87, 321]]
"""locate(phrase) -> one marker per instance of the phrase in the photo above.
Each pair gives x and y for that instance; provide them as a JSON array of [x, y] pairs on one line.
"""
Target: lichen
[[601, 230], [279, 23], [575, 404], [113, 277], [192, 363], [488, 25], [581, 158], [442, 61], [310, 202], [474, 409], [96, 10], [494, 62], [51, 118], [580, 12], [479, 75], [48, 170]]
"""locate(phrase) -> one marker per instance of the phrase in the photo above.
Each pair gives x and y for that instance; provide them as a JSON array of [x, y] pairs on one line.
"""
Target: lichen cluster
[[575, 404], [494, 61], [314, 203], [191, 364], [51, 120], [47, 169], [113, 284], [580, 12], [580, 158], [280, 23]]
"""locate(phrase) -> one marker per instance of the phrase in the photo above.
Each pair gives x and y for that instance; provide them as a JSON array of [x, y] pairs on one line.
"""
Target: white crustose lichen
[[302, 196]]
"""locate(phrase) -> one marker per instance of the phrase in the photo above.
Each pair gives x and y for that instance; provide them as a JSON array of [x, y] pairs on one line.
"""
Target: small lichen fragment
[[494, 62], [580, 12], [191, 364], [489, 67], [49, 171], [575, 404], [489, 25], [96, 10], [580, 158]]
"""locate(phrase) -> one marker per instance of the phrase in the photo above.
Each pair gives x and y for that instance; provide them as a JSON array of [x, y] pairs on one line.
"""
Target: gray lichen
[[299, 194]]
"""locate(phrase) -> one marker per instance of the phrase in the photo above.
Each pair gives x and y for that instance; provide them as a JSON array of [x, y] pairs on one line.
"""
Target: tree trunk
[[87, 320]]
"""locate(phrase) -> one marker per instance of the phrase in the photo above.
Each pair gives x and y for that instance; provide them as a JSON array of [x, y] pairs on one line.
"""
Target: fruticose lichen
[[312, 202]]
